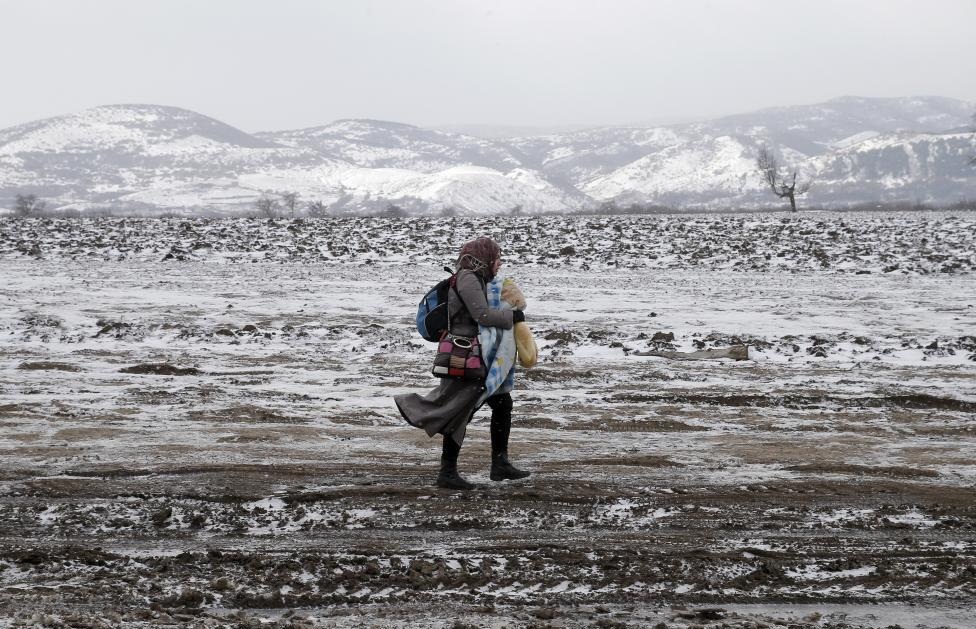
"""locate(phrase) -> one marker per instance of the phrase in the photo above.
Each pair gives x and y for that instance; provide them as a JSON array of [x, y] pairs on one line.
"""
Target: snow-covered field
[[196, 425]]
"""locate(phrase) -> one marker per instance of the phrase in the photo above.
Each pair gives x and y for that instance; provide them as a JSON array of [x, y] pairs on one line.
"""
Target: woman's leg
[[501, 421], [448, 476], [501, 426]]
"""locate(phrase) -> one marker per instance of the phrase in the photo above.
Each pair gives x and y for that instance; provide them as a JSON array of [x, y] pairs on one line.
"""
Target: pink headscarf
[[480, 255]]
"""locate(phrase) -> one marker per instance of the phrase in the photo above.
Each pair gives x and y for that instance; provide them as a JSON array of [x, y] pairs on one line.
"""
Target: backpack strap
[[450, 317], [484, 287]]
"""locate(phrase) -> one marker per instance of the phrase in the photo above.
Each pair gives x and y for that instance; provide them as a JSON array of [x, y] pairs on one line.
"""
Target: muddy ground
[[212, 444]]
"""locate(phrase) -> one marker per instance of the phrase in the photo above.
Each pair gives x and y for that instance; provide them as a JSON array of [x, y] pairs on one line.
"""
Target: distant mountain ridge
[[151, 158]]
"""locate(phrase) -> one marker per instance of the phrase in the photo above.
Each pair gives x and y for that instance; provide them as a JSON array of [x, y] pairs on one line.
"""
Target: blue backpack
[[432, 311]]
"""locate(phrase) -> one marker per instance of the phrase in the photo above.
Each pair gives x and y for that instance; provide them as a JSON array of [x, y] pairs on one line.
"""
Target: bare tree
[[317, 209], [269, 207], [972, 160], [290, 201], [27, 205], [783, 185]]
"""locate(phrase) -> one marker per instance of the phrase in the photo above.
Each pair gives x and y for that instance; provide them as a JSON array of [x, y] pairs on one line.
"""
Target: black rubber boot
[[501, 426], [501, 469], [448, 477]]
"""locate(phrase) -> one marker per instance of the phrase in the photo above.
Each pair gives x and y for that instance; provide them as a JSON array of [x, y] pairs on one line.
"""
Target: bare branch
[[28, 205], [766, 162], [972, 160], [317, 209], [290, 201], [783, 186], [269, 207]]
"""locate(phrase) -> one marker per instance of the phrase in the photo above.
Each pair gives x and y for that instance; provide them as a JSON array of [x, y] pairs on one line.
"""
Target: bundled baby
[[525, 347]]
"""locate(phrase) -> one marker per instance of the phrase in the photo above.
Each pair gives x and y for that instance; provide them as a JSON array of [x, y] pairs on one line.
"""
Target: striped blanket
[[497, 348]]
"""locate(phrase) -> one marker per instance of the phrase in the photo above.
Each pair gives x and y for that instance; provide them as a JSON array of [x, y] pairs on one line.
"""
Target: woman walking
[[449, 407]]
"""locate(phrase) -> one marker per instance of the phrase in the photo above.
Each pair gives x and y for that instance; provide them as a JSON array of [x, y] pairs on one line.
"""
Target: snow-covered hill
[[712, 163], [379, 144], [133, 155], [152, 158]]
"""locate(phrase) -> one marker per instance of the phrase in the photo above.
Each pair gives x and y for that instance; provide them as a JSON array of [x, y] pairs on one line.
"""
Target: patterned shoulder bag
[[458, 356]]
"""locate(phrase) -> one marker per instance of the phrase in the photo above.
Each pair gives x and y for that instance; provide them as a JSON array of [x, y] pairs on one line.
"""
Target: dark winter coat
[[448, 407]]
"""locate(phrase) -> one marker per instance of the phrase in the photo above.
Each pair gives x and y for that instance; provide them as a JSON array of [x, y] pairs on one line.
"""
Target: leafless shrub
[[317, 209], [972, 159], [268, 207], [289, 200], [28, 205]]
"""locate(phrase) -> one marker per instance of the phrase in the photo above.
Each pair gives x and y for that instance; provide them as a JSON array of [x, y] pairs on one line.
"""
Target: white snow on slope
[[466, 188], [857, 138], [720, 164]]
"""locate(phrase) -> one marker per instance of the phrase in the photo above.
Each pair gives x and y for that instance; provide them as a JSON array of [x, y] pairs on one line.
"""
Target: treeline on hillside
[[37, 208]]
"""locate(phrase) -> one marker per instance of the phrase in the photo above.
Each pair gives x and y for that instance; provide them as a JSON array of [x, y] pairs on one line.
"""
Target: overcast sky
[[285, 64]]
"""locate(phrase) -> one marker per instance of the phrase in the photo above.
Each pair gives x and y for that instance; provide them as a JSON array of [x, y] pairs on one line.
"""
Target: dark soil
[[161, 370], [45, 365]]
